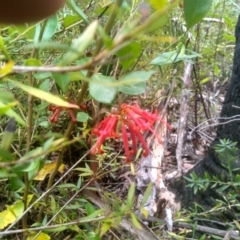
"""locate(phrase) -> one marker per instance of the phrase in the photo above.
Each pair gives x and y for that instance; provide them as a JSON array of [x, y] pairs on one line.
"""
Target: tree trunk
[[226, 130]]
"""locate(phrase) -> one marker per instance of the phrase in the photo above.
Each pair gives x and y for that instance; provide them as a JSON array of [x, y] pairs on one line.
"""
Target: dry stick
[[233, 234], [80, 97], [183, 118]]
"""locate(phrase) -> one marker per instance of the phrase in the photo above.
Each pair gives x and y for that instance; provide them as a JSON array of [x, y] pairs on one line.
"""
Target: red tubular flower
[[105, 129], [140, 138], [55, 116], [97, 146], [134, 140], [125, 143], [134, 121], [56, 113], [73, 119]]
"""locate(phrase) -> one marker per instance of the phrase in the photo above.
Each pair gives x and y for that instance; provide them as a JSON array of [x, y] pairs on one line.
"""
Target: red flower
[[56, 113], [105, 129], [134, 121], [57, 110]]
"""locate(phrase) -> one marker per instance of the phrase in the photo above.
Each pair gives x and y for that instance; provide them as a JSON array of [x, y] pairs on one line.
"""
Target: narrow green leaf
[[8, 134], [44, 95], [71, 4], [237, 224], [83, 170], [105, 227], [3, 49], [5, 108], [147, 193], [135, 221], [91, 216], [29, 166], [161, 21], [130, 196], [11, 113], [80, 44], [50, 28], [53, 204]]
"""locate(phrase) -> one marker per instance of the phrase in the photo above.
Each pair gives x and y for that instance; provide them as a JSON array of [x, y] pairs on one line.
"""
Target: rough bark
[[231, 130]]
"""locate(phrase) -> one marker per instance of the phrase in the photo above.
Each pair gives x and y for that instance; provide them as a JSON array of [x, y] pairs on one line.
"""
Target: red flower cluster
[[56, 113], [57, 110], [133, 120]]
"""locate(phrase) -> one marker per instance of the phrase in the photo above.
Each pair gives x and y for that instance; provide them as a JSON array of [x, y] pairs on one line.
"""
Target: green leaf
[[32, 62], [100, 90], [147, 194], [4, 49], [6, 96], [77, 76], [70, 19], [11, 113], [173, 57], [195, 10], [166, 58], [49, 30], [4, 108], [62, 80], [16, 182], [82, 117], [29, 166], [90, 209], [53, 204], [5, 156], [205, 80], [8, 134], [216, 70], [105, 227], [134, 83], [40, 236], [45, 85], [229, 37], [158, 4], [27, 31], [129, 54], [130, 196], [161, 21], [77, 10], [80, 44], [11, 214], [44, 95], [91, 216], [135, 221], [42, 75]]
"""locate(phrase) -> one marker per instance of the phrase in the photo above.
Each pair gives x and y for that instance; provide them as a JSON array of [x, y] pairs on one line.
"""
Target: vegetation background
[[62, 76]]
